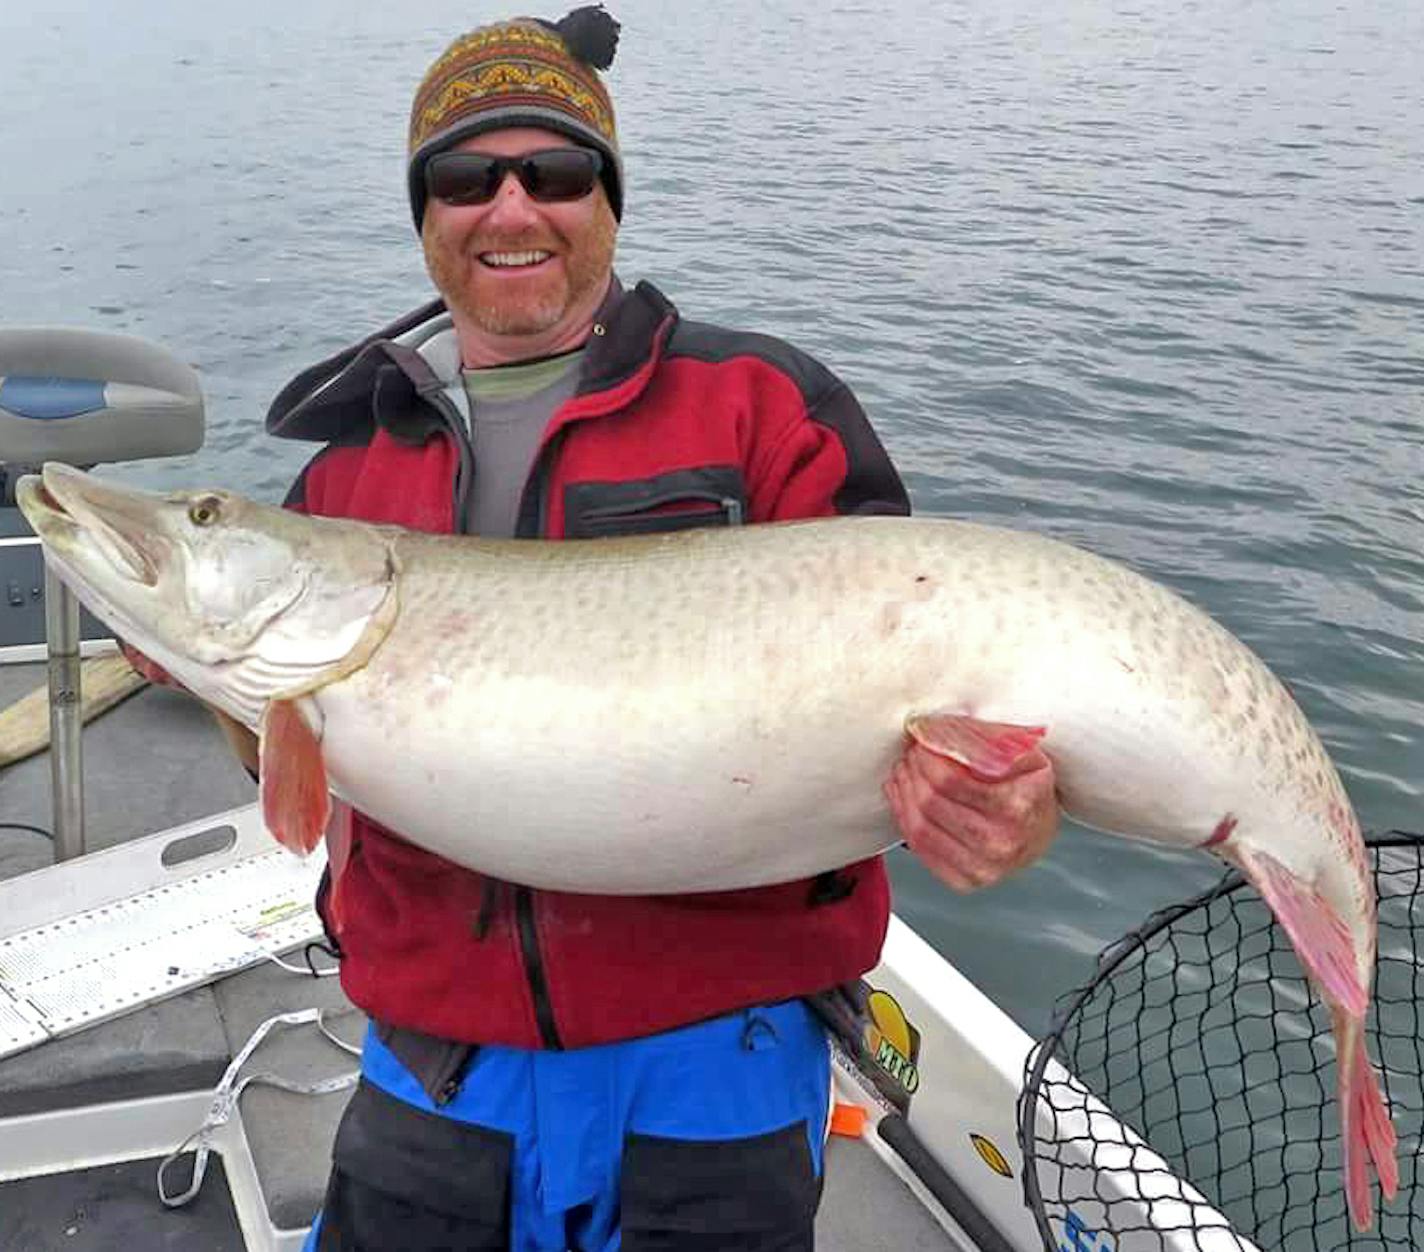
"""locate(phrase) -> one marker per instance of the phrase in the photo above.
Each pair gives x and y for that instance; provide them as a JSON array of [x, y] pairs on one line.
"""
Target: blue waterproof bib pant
[[705, 1138]]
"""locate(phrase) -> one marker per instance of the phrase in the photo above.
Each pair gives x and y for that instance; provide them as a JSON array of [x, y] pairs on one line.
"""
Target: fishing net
[[1201, 1034]]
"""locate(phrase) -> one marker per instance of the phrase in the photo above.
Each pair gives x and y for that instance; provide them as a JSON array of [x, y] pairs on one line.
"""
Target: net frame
[[1200, 1032]]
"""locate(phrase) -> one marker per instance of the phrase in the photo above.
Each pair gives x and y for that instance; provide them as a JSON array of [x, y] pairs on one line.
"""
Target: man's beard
[[587, 266]]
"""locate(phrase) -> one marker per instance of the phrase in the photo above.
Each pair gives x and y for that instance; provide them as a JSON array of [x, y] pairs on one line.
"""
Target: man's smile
[[530, 258]]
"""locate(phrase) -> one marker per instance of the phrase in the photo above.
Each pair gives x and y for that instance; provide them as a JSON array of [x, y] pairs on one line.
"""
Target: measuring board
[[90, 939]]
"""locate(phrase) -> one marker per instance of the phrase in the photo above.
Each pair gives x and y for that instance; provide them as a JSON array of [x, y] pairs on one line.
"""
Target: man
[[547, 1070]]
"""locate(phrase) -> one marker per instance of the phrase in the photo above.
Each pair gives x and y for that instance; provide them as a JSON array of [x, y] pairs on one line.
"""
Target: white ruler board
[[87, 940]]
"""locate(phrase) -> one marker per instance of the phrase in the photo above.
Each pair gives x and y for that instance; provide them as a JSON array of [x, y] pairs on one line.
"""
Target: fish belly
[[709, 717], [606, 791]]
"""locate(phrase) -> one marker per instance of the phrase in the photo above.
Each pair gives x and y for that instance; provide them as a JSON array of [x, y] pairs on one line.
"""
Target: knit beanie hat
[[524, 72]]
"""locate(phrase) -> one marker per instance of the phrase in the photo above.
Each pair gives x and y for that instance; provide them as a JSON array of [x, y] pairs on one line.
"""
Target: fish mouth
[[63, 504]]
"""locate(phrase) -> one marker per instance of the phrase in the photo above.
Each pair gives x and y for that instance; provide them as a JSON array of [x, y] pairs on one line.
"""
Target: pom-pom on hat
[[524, 72]]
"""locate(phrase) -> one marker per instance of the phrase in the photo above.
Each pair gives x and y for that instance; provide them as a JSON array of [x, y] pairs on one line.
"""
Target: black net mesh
[[1201, 1033]]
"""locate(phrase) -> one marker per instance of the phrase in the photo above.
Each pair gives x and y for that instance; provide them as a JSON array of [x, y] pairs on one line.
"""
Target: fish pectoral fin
[[292, 778], [988, 750], [1318, 933]]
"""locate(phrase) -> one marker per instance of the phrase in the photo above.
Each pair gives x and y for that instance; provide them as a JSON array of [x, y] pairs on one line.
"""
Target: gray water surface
[[1146, 277]]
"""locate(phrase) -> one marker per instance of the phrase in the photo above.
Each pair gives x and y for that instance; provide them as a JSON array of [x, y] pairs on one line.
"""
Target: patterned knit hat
[[524, 72]]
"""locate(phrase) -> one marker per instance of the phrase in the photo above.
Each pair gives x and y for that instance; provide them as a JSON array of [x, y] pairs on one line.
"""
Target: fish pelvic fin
[[292, 778], [338, 854], [1367, 1134], [338, 836], [988, 750]]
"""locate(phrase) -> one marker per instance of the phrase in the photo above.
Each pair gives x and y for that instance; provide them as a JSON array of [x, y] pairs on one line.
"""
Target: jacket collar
[[374, 382], [625, 336]]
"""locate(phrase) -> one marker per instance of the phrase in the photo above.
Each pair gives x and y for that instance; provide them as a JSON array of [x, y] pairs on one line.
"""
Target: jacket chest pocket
[[713, 495]]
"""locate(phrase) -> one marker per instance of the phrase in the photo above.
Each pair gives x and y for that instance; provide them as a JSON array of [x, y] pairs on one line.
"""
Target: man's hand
[[241, 740], [151, 670], [968, 832]]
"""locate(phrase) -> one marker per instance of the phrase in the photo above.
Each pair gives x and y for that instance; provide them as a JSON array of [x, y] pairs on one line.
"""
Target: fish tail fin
[[292, 779], [989, 750], [1367, 1134], [1326, 948]]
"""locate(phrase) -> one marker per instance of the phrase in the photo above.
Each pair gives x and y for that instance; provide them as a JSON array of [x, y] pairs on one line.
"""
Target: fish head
[[240, 601]]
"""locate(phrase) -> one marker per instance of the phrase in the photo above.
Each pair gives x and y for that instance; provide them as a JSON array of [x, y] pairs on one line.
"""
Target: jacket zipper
[[531, 524], [523, 898], [534, 968], [533, 519], [460, 493], [644, 512]]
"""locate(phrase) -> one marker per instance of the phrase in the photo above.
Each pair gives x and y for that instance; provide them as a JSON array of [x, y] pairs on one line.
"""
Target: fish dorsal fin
[[1318, 933], [988, 750], [292, 778]]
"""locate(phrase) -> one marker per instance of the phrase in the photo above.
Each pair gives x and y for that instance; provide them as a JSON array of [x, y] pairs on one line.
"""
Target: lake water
[[1146, 277]]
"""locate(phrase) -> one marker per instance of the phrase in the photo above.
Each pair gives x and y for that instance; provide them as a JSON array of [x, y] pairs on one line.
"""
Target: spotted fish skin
[[717, 709]]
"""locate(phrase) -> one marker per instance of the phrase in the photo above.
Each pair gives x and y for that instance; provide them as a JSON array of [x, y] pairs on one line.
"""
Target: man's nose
[[512, 204]]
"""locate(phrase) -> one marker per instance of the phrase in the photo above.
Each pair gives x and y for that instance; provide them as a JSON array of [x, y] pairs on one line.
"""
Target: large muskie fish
[[719, 708]]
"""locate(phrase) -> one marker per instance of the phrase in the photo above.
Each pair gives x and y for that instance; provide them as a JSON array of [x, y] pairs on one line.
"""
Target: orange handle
[[848, 1120]]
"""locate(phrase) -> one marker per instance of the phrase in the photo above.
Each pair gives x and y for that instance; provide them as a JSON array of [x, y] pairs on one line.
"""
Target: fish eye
[[205, 511]]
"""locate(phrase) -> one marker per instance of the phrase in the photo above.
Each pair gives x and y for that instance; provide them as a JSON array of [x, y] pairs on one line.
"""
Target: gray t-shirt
[[510, 405]]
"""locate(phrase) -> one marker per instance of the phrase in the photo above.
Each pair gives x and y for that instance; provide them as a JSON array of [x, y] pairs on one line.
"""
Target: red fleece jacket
[[673, 424]]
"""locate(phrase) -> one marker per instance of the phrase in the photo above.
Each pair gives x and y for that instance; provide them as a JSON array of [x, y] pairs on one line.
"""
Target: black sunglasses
[[548, 176]]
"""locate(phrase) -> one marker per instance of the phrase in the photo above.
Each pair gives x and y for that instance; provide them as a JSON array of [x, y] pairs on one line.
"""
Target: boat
[[174, 1056]]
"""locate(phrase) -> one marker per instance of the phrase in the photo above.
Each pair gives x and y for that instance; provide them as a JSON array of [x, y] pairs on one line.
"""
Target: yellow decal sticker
[[890, 1018], [892, 1041], [991, 1156]]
